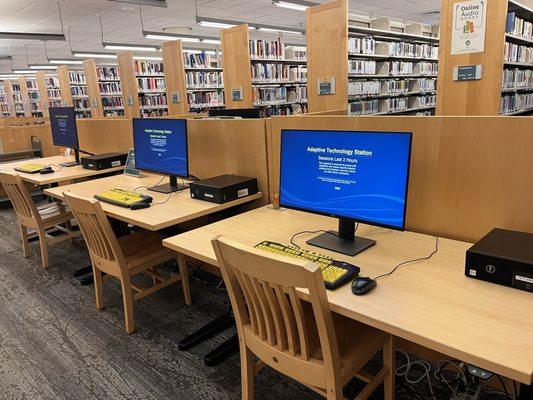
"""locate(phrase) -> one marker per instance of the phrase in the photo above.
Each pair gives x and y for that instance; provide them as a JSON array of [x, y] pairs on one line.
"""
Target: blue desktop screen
[[161, 145], [356, 175], [63, 125]]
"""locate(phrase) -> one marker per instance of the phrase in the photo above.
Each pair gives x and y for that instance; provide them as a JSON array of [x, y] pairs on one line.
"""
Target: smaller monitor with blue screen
[[355, 176], [64, 129], [161, 146]]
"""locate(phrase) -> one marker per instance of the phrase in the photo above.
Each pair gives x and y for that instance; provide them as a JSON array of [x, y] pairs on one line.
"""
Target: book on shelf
[[77, 78], [106, 73], [517, 78], [519, 27], [282, 94], [205, 99], [364, 107], [295, 53], [112, 102], [268, 72], [51, 82], [266, 49], [200, 60], [151, 84], [109, 88], [518, 53], [364, 88], [516, 102], [81, 103], [362, 45], [78, 90], [362, 67], [54, 94], [204, 79], [159, 100], [148, 68]]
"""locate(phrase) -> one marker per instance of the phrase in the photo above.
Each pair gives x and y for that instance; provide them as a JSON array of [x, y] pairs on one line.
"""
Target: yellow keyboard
[[29, 168], [122, 198], [334, 272]]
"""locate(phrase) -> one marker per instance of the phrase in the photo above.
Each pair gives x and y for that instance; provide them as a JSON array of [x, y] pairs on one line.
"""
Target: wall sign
[[469, 23], [326, 87], [468, 73]]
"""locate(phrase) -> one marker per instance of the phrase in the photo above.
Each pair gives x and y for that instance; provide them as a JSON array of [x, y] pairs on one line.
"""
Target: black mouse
[[139, 205], [362, 285], [47, 170]]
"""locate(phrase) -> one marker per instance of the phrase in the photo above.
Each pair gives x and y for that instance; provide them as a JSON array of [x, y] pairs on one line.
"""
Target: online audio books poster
[[469, 23]]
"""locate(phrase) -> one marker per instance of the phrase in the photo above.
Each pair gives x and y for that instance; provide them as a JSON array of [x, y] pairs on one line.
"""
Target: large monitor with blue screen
[[355, 176], [64, 130], [161, 146]]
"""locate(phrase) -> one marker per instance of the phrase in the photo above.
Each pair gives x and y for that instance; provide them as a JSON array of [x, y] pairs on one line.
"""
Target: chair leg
[[184, 279], [389, 360], [68, 225], [98, 288], [24, 237], [127, 298], [43, 244], [247, 373]]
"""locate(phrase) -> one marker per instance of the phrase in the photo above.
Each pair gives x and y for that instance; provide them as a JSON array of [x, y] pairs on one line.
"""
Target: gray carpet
[[54, 344]]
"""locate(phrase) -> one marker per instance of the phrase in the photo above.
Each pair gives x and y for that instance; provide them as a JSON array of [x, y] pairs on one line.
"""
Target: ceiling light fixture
[[170, 36], [154, 3], [283, 30], [83, 54], [42, 66], [6, 58], [24, 71], [294, 4], [64, 61], [127, 46], [147, 58], [211, 41]]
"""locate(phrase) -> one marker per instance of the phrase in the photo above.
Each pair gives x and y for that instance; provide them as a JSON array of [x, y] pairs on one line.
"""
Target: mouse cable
[[147, 187], [56, 165], [411, 261], [170, 194], [314, 232], [405, 371]]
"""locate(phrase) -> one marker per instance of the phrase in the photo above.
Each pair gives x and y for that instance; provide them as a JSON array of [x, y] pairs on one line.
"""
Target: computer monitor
[[236, 112], [353, 176], [65, 131], [161, 146]]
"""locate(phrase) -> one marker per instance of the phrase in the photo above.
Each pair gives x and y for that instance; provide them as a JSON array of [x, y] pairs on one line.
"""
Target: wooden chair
[[300, 339], [123, 258], [39, 219]]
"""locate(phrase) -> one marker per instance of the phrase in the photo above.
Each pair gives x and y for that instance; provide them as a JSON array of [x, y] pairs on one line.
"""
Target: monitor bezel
[[340, 216], [186, 146], [77, 147]]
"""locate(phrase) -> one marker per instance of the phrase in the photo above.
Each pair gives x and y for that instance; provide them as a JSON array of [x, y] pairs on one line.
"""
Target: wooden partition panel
[[468, 174], [18, 138], [105, 135], [43, 93], [481, 97], [24, 94], [175, 76], [128, 84], [8, 87], [237, 65], [93, 89], [64, 86], [327, 54]]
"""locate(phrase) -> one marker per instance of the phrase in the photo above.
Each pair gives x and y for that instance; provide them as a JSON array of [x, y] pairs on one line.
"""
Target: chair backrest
[[272, 320], [102, 243], [20, 198]]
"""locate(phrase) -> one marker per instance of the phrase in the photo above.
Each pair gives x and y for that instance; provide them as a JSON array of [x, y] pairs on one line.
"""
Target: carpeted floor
[[54, 344]]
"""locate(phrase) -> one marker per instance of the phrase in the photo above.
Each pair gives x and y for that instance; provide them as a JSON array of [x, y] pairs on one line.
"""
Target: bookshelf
[[92, 86], [34, 98], [4, 106], [204, 80], [269, 74], [18, 103], [110, 90], [78, 92], [150, 76], [128, 85], [174, 77], [53, 90], [392, 67], [517, 83]]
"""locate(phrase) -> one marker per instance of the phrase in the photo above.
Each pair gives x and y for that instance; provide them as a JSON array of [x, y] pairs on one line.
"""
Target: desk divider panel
[[468, 174], [18, 138], [105, 135]]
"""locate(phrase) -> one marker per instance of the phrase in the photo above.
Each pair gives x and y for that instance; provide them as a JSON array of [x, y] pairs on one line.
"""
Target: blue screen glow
[[356, 175], [161, 145], [63, 125]]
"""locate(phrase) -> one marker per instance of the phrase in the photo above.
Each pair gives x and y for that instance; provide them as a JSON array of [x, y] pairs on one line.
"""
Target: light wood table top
[[62, 174], [179, 208], [431, 303]]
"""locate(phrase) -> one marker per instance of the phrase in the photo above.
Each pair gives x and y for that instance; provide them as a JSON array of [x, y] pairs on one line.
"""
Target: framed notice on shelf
[[130, 169], [469, 25]]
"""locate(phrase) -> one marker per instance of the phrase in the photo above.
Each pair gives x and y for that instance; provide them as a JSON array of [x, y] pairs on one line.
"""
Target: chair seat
[[357, 342], [143, 250]]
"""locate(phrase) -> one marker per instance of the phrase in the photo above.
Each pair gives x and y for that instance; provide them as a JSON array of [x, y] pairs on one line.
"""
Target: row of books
[[112, 102], [34, 107], [203, 79], [289, 109], [150, 101], [517, 78], [54, 93], [17, 97], [109, 88], [147, 68], [427, 101], [34, 96], [278, 73], [151, 84], [15, 88], [106, 73], [392, 86], [516, 102], [400, 68], [51, 82], [81, 103], [31, 84], [518, 53], [205, 99], [404, 49], [54, 103], [160, 112], [364, 88], [267, 49], [519, 27], [395, 104], [78, 90], [364, 107], [362, 67], [295, 53], [268, 95], [77, 78], [113, 113], [361, 45], [200, 60]]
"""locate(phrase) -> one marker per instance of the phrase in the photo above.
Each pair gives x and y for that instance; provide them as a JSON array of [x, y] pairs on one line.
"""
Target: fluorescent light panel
[[127, 46], [93, 55], [39, 66], [162, 36], [24, 71], [32, 36], [265, 29], [293, 5], [147, 58], [64, 61]]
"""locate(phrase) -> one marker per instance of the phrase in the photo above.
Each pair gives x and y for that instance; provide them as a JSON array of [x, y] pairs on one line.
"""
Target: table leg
[[526, 392], [219, 324]]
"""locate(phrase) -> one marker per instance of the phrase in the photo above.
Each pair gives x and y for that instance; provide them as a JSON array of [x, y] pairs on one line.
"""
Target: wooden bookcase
[[8, 89], [262, 79], [16, 98], [34, 97], [23, 88], [4, 106], [391, 66], [151, 86], [128, 84], [64, 86], [73, 88], [93, 89], [175, 77]]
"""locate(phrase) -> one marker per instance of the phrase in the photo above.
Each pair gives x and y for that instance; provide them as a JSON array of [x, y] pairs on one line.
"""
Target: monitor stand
[[345, 241], [171, 187], [72, 163]]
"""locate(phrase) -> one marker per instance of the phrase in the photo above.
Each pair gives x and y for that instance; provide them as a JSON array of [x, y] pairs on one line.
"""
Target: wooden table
[[179, 208], [62, 174], [430, 303]]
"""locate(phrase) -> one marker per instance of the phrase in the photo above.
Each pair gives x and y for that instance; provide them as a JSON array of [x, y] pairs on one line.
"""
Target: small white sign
[[469, 23]]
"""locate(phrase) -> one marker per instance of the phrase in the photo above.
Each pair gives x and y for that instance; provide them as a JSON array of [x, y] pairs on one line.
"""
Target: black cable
[[147, 187], [504, 387], [314, 232], [411, 261], [56, 165], [515, 388]]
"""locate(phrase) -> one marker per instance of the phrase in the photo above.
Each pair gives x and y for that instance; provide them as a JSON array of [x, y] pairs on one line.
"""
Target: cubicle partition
[[468, 174], [18, 138]]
